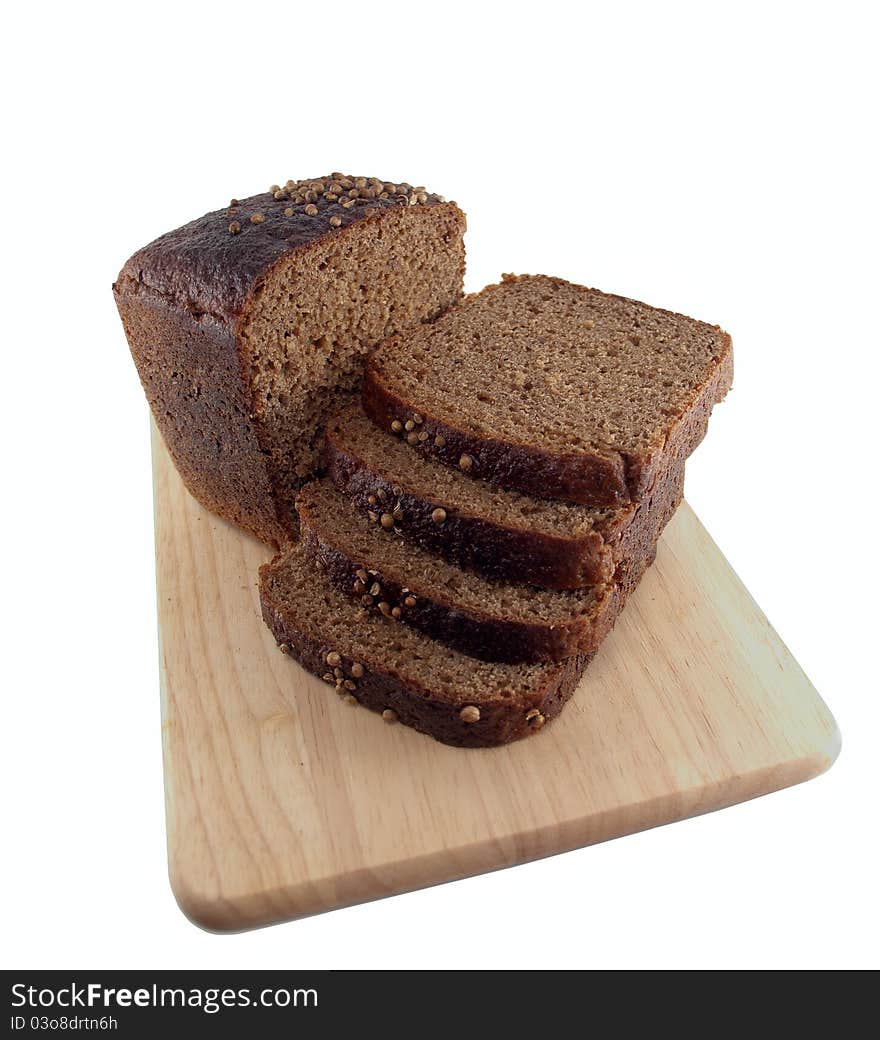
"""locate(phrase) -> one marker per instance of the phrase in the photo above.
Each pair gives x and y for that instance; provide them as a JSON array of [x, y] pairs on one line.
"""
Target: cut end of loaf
[[308, 329]]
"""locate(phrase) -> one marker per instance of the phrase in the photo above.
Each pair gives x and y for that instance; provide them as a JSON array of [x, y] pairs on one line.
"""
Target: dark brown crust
[[499, 551], [501, 721], [597, 479], [199, 397], [483, 634], [182, 299]]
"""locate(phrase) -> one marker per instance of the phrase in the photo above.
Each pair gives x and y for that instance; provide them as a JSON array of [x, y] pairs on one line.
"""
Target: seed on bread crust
[[470, 713], [535, 719]]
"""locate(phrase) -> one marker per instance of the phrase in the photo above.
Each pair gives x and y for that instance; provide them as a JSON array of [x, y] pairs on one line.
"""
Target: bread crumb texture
[[540, 361]]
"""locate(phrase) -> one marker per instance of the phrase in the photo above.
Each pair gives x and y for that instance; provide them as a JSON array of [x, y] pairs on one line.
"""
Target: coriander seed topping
[[396, 612], [284, 648], [362, 574], [311, 210], [438, 516], [385, 608], [387, 521], [328, 677], [350, 699], [357, 670], [412, 437], [465, 462], [234, 227], [289, 211], [389, 715], [535, 719], [470, 713], [333, 659], [409, 425], [410, 602], [257, 218], [335, 221], [396, 426], [350, 684], [439, 441], [373, 516]]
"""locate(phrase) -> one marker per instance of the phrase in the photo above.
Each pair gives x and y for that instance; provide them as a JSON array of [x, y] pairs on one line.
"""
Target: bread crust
[[497, 550], [592, 478], [481, 633], [182, 300], [380, 689]]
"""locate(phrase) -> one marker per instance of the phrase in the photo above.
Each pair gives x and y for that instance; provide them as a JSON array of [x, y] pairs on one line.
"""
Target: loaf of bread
[[552, 389], [248, 325], [462, 534], [491, 620], [498, 533], [373, 661]]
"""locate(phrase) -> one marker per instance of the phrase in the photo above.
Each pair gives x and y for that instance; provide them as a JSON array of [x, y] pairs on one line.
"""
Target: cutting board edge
[[219, 912]]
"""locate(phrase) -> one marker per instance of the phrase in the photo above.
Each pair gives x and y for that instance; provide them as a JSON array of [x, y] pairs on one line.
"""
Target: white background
[[715, 159]]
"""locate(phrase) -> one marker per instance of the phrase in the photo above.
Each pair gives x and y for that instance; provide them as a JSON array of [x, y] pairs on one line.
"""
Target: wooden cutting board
[[282, 801]]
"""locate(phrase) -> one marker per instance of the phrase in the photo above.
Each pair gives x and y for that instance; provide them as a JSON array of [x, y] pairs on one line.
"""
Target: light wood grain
[[282, 802]]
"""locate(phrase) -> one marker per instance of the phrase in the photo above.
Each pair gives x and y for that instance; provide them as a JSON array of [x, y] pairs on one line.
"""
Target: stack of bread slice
[[461, 535], [489, 503]]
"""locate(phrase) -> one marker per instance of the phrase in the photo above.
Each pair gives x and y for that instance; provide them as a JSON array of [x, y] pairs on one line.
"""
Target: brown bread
[[247, 325], [487, 619], [498, 533], [395, 670], [552, 389]]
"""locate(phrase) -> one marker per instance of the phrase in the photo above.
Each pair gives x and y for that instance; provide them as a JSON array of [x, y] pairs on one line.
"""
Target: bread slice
[[498, 533], [480, 617], [244, 323], [553, 389], [390, 668]]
